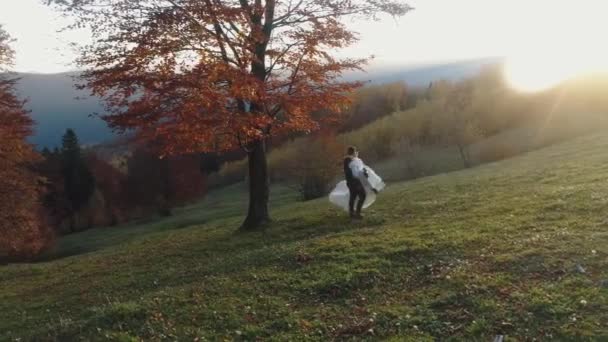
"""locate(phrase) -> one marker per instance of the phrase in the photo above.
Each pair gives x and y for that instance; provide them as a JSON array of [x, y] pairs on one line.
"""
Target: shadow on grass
[[101, 238], [219, 205]]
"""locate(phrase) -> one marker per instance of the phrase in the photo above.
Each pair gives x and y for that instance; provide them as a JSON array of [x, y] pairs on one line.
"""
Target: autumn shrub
[[156, 184], [374, 102], [186, 181], [314, 165], [24, 227], [230, 173], [406, 151]]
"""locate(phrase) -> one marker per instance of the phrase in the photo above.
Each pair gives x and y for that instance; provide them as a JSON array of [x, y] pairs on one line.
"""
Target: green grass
[[465, 255], [229, 202]]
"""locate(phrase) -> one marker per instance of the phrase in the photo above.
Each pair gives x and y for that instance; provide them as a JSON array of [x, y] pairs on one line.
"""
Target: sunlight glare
[[534, 73], [565, 42]]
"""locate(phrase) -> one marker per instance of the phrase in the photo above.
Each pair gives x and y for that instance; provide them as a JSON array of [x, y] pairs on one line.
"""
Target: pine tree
[[78, 180]]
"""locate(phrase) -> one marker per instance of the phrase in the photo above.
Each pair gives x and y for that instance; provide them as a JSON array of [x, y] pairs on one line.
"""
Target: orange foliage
[[209, 75], [186, 181], [206, 75], [162, 183], [23, 231]]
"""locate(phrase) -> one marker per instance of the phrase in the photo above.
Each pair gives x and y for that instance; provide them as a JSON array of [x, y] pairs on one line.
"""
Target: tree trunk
[[259, 185], [259, 192]]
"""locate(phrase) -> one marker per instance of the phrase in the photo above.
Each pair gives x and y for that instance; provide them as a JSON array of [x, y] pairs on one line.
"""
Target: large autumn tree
[[212, 75], [23, 232]]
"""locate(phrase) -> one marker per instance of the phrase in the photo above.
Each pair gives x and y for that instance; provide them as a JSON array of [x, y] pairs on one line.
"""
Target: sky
[[436, 31]]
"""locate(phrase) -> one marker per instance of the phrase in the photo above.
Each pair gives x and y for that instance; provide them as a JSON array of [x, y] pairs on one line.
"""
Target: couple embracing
[[360, 187]]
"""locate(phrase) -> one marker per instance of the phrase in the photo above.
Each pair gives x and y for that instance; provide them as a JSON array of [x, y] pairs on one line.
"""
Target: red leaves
[[161, 183], [23, 230], [208, 75]]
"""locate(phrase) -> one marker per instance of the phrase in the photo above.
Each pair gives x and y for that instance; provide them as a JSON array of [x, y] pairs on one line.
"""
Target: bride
[[359, 189]]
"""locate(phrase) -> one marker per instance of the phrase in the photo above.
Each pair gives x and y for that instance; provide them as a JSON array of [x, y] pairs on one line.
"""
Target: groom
[[353, 170]]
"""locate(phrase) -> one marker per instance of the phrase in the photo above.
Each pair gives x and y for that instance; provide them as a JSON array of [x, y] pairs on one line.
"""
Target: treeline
[[85, 190], [464, 116], [464, 119], [70, 189], [376, 101]]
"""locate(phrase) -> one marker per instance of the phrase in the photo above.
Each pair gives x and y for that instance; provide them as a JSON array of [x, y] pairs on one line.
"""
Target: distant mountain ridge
[[56, 104], [422, 75]]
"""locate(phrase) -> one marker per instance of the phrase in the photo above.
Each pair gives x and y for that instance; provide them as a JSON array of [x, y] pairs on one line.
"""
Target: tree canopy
[[206, 75], [22, 230]]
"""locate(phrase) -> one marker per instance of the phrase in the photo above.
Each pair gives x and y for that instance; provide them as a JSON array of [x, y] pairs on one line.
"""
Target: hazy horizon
[[434, 32]]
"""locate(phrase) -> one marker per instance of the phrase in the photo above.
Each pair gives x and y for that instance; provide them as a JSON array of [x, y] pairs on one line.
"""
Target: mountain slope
[[55, 107], [422, 75], [515, 248]]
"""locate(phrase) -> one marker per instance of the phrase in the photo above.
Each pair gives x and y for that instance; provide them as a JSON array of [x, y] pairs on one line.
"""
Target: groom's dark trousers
[[357, 191]]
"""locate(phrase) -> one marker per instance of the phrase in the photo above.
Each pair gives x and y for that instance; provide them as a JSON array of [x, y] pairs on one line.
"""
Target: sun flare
[[536, 73], [566, 42]]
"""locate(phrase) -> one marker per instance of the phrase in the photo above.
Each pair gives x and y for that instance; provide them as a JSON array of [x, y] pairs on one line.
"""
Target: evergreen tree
[[78, 180], [46, 152]]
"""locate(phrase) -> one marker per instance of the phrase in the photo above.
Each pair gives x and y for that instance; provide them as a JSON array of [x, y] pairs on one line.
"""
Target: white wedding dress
[[340, 195]]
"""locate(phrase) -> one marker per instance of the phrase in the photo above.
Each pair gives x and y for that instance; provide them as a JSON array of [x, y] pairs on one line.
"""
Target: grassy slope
[[432, 160], [475, 253]]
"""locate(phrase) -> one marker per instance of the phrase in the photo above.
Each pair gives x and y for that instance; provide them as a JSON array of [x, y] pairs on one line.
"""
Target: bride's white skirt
[[340, 195]]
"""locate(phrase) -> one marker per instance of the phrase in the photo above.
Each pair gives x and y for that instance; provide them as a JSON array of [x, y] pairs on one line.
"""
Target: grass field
[[517, 248]]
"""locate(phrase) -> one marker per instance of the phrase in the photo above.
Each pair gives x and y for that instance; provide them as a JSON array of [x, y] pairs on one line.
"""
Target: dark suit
[[355, 187]]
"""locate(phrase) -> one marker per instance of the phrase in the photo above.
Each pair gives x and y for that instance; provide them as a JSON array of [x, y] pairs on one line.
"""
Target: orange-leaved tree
[[212, 75], [23, 232]]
